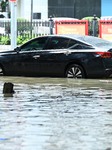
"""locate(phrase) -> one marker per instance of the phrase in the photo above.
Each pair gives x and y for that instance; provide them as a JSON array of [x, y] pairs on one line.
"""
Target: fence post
[[31, 19], [94, 25], [51, 25]]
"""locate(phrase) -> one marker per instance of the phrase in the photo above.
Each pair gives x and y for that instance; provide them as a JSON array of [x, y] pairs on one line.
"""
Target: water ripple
[[56, 114]]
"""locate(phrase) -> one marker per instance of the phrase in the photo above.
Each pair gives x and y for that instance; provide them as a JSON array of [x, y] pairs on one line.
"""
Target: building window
[[36, 15]]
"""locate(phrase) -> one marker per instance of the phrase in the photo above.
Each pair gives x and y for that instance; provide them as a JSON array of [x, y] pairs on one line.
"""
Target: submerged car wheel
[[75, 71]]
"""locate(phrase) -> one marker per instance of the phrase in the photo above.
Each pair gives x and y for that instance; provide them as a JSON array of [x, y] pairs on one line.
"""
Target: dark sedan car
[[72, 56]]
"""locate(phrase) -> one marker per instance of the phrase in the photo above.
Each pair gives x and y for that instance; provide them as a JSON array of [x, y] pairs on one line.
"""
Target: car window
[[58, 43], [74, 44], [81, 46], [35, 44], [71, 43]]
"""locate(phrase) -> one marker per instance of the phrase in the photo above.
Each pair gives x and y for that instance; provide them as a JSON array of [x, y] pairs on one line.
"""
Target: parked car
[[72, 56]]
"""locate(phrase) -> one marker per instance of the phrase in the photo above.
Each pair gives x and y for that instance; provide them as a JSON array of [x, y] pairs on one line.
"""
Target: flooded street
[[56, 114]]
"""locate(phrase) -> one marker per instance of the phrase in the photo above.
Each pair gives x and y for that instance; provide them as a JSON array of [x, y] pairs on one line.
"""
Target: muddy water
[[56, 114]]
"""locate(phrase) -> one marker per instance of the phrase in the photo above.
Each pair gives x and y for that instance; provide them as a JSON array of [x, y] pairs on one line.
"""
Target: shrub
[[4, 40], [22, 40]]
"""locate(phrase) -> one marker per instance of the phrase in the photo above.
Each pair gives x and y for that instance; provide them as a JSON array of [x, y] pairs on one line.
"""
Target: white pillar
[[13, 25]]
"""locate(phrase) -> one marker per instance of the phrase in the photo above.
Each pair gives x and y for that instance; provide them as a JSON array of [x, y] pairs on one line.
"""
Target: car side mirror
[[17, 49]]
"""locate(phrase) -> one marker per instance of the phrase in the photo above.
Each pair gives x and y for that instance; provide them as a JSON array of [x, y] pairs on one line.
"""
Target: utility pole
[[31, 17]]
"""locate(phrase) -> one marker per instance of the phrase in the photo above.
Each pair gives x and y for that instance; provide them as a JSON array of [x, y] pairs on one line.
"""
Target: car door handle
[[36, 56]]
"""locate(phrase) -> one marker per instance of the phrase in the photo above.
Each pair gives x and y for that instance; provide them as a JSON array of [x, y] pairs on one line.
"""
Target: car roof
[[72, 36], [90, 40]]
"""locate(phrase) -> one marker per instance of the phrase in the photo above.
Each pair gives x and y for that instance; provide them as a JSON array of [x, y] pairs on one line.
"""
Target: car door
[[27, 60], [54, 57]]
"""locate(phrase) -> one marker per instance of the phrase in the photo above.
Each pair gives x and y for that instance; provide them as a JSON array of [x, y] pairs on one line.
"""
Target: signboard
[[72, 27], [105, 29]]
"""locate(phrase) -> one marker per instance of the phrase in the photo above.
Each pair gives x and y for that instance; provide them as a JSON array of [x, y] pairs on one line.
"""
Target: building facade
[[74, 8], [43, 9], [79, 8], [40, 9], [60, 8]]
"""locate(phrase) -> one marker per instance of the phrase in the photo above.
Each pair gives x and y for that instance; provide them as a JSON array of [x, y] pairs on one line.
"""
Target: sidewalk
[[5, 47]]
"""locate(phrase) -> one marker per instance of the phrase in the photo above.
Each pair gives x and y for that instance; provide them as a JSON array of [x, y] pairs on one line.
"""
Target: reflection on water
[[56, 114]]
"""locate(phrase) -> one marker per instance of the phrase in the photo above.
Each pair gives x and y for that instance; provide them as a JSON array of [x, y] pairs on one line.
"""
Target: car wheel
[[75, 71], [1, 71]]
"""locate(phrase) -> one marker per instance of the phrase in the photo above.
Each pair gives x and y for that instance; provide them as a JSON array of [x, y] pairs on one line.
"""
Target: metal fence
[[26, 28]]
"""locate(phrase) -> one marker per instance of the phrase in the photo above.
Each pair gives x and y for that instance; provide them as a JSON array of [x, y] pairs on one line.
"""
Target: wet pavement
[[56, 114]]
